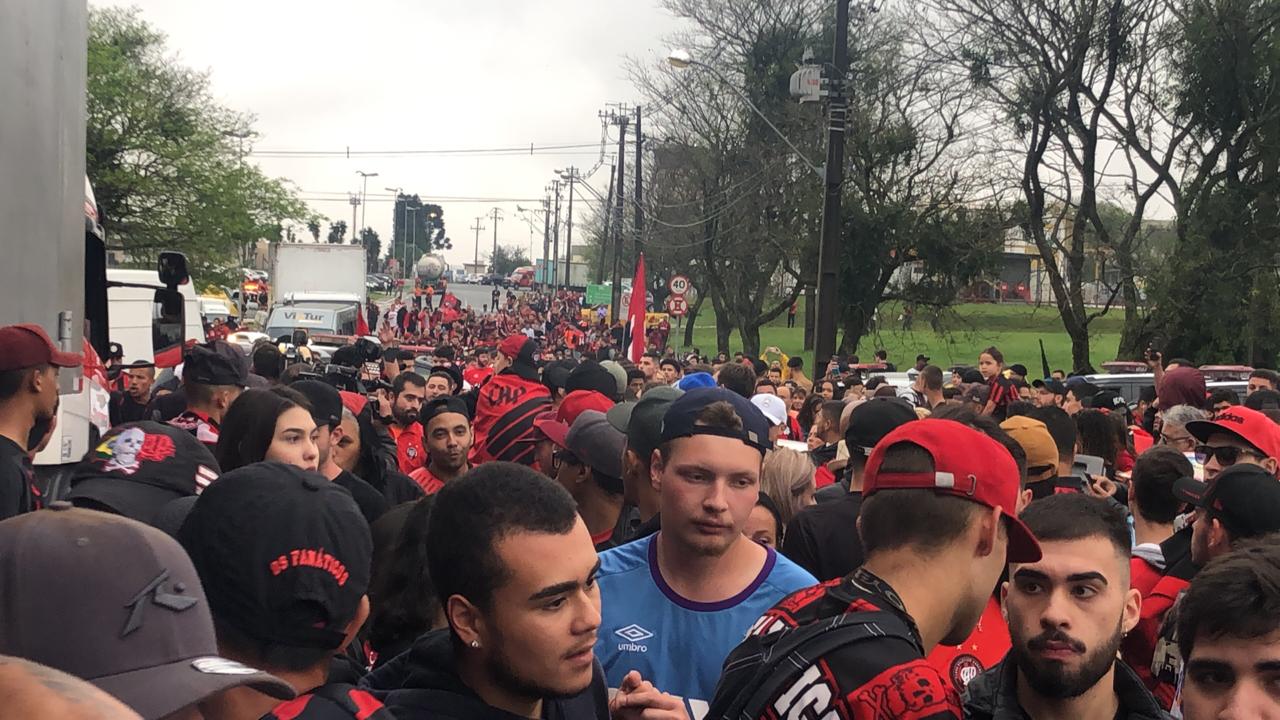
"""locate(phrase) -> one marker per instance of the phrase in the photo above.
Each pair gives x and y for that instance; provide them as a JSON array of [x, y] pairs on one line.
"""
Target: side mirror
[[168, 321], [172, 267]]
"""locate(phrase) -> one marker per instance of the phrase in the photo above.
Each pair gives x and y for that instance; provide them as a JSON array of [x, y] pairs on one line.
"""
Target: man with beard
[[937, 524], [513, 566], [28, 396], [406, 402], [1067, 613], [448, 435], [677, 602]]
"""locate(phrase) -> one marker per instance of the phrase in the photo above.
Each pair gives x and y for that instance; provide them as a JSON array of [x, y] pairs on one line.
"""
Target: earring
[[475, 643]]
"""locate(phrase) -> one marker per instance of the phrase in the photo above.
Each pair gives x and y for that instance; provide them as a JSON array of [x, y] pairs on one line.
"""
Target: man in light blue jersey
[[675, 603]]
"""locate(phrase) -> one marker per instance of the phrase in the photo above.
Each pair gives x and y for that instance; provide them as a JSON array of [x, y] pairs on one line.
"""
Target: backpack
[[761, 667]]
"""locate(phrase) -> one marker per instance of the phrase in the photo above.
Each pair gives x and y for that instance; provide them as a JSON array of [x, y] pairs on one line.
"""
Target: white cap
[[771, 406]]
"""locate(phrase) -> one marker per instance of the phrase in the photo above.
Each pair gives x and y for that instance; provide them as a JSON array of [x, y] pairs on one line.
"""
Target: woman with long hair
[[402, 599], [273, 424], [787, 478]]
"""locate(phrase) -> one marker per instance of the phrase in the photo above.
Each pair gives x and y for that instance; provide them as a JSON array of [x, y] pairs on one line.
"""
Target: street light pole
[[477, 227], [824, 345], [364, 201]]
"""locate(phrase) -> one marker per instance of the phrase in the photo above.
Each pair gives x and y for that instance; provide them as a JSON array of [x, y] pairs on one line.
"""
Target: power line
[[530, 149]]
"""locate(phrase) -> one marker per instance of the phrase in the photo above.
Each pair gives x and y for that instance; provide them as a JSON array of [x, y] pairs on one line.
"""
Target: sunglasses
[[560, 457], [1224, 455]]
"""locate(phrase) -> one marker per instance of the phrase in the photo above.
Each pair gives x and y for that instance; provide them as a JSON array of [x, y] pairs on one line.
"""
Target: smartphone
[[1088, 465]]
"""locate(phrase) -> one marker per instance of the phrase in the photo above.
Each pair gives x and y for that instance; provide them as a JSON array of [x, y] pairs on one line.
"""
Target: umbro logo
[[633, 633]]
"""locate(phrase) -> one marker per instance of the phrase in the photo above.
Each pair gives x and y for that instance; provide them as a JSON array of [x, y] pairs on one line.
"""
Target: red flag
[[636, 312], [362, 325]]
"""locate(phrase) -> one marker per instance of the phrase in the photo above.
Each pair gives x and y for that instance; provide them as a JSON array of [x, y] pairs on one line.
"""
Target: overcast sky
[[416, 75]]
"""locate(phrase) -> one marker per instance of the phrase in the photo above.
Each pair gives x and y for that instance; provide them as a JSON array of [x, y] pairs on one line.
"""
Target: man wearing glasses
[[1236, 435], [1173, 427]]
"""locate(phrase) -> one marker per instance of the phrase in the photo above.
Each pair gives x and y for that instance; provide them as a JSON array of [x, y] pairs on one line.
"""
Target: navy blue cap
[[681, 417]]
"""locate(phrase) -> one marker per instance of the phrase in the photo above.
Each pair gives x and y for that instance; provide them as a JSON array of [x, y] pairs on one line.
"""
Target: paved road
[[477, 296]]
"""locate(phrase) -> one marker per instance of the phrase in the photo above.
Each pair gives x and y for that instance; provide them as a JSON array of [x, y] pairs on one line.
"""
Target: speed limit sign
[[678, 285], [677, 306]]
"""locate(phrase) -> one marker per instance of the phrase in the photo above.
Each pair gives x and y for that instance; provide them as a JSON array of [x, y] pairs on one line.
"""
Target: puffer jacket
[[993, 695]]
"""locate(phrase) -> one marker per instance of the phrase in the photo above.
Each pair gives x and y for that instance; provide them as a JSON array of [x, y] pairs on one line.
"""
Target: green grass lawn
[[966, 331]]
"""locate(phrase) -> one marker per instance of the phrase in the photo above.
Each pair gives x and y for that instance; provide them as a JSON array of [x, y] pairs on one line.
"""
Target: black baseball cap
[[681, 418], [1244, 498], [118, 603], [870, 421], [589, 375], [555, 374], [641, 420], [115, 351], [1108, 400], [1018, 369], [326, 403], [283, 553], [441, 405], [923, 357], [1053, 385], [216, 363], [139, 467]]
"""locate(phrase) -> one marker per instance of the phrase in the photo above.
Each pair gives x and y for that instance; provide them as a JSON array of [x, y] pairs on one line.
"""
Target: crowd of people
[[499, 515]]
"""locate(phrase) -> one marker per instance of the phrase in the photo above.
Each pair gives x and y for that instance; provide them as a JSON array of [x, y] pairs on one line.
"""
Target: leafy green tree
[[337, 232], [1216, 299], [507, 259], [313, 227], [167, 161], [372, 249]]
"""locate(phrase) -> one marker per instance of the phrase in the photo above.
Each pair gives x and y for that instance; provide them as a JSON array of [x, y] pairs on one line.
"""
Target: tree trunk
[[691, 318], [750, 334], [810, 317], [1133, 336], [723, 329]]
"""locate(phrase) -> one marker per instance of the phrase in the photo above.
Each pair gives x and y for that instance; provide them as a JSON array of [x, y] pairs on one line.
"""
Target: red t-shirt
[[411, 454], [985, 647], [429, 483]]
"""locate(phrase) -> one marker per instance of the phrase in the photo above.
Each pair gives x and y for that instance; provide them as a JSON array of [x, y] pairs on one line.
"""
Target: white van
[[129, 312]]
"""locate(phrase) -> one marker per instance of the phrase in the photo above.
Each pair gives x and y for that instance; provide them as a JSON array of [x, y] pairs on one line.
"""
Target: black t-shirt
[[371, 502], [15, 480], [882, 678], [124, 409], [823, 538], [1041, 489], [335, 701]]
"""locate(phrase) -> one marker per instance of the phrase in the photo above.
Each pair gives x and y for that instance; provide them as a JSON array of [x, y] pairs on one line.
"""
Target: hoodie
[[993, 695], [423, 683]]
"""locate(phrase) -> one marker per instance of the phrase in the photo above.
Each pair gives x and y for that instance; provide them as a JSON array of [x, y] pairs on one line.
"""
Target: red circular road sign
[[678, 285], [677, 305]]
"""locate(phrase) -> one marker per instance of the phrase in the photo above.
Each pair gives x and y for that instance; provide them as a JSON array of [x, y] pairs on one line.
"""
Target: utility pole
[[568, 242], [555, 237], [639, 193], [546, 240], [829, 253], [605, 240], [364, 201], [477, 227], [492, 258], [355, 203], [620, 118]]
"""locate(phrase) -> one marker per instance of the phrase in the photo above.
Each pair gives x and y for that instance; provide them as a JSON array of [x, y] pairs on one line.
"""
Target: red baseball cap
[[1248, 425], [28, 345], [554, 430], [578, 402], [512, 345], [967, 464]]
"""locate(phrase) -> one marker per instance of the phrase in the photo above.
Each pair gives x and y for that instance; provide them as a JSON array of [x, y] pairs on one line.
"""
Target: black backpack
[[763, 666]]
